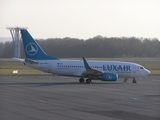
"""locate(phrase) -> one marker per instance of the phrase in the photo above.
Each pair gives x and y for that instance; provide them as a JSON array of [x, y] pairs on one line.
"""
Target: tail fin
[[32, 49]]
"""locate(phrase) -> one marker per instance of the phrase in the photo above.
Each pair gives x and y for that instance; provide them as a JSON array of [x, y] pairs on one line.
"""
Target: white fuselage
[[76, 68]]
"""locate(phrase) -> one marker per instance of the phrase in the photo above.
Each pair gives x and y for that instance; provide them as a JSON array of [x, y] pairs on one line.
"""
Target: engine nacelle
[[109, 77]]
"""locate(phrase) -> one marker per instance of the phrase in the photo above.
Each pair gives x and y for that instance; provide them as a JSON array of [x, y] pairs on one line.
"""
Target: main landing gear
[[81, 80], [88, 81]]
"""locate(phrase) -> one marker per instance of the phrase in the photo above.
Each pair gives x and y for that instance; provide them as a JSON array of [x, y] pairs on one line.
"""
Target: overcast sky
[[82, 18]]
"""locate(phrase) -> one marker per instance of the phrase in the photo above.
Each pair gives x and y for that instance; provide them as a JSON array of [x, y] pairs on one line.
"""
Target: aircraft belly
[[124, 75], [67, 72]]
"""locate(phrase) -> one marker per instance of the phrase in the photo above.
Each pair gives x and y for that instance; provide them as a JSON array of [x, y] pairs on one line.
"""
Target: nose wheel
[[134, 80]]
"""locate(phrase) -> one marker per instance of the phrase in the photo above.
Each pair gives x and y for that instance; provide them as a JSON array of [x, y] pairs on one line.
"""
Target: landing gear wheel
[[81, 80], [134, 81], [88, 81]]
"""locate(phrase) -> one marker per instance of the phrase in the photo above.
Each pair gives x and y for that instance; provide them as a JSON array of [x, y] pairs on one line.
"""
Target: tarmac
[[64, 98]]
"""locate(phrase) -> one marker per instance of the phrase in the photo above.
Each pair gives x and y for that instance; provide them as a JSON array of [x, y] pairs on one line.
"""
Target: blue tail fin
[[32, 49]]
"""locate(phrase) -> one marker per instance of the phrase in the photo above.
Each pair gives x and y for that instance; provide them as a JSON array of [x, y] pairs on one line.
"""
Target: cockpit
[[141, 67], [141, 70]]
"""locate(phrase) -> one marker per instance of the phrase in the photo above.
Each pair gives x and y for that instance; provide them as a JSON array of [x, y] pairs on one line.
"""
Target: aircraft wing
[[90, 71]]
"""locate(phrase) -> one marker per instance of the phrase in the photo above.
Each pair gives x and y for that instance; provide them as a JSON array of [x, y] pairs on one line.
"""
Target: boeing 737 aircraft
[[89, 70]]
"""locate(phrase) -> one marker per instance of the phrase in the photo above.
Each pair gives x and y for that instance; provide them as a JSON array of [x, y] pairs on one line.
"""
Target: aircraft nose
[[147, 72]]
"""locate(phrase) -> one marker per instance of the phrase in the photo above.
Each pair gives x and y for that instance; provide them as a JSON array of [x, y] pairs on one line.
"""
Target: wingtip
[[85, 63]]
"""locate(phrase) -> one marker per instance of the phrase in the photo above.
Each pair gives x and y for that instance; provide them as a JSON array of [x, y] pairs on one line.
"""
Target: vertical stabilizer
[[32, 49]]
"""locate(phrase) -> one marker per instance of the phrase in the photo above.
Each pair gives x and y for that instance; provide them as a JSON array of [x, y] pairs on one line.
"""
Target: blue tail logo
[[31, 49]]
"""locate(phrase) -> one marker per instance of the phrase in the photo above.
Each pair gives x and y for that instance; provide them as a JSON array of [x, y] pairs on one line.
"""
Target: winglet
[[85, 63]]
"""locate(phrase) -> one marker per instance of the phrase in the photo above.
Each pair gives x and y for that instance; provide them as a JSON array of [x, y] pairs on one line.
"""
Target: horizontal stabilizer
[[30, 61], [19, 59]]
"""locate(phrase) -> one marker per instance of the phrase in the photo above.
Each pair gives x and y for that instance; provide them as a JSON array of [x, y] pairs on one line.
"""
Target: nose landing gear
[[134, 80]]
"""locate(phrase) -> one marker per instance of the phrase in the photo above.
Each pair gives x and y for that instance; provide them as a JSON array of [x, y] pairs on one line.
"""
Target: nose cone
[[147, 72]]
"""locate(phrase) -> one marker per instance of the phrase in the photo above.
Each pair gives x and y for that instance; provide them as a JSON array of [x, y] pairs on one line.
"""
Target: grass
[[7, 69], [155, 72], [7, 66]]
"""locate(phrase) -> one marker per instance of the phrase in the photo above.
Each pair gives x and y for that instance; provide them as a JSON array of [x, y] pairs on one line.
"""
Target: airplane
[[90, 70]]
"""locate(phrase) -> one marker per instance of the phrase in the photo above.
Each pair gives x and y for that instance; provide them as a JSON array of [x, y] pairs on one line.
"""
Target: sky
[[82, 19]]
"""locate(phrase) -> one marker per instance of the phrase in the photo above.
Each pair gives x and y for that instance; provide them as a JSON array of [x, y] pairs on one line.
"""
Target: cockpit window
[[141, 67]]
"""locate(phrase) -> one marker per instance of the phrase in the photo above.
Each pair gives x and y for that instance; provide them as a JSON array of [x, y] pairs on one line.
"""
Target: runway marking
[[42, 101], [155, 80], [27, 95], [34, 98]]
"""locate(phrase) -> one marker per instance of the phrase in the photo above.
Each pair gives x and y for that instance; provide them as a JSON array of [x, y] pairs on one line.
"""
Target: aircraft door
[[49, 67], [134, 69]]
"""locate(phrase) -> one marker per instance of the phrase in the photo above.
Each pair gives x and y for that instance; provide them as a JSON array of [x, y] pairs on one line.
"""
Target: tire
[[81, 80], [88, 81]]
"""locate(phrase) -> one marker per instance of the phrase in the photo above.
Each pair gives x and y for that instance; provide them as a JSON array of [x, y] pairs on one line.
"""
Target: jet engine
[[109, 77]]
